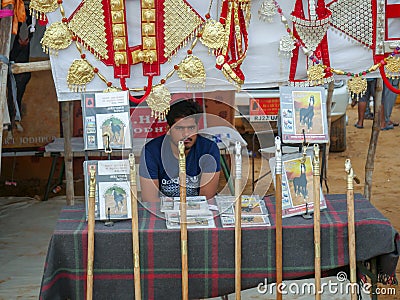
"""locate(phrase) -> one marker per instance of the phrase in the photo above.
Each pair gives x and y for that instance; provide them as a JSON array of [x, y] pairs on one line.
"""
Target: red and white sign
[[264, 109]]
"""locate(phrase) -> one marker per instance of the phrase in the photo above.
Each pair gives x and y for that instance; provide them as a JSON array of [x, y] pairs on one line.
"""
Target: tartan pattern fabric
[[210, 253]]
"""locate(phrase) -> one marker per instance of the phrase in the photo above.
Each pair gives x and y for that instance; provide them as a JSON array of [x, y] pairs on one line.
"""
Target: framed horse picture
[[297, 184], [303, 114], [106, 121], [113, 192]]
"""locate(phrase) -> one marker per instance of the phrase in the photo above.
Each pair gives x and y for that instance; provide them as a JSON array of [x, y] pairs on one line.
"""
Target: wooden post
[[184, 239], [238, 220], [18, 68], [5, 37], [317, 220], [91, 223], [351, 230], [331, 87], [376, 128], [278, 217], [135, 228], [66, 107]]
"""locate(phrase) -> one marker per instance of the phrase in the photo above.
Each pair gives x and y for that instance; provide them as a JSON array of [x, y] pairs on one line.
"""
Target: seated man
[[159, 166]]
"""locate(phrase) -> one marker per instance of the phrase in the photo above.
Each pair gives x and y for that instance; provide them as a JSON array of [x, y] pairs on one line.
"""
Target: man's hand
[[149, 189], [209, 184]]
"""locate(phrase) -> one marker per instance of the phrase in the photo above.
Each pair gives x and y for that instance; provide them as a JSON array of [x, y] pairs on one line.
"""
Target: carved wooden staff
[[351, 227], [317, 223], [278, 217], [91, 222], [182, 194], [238, 220], [135, 228]]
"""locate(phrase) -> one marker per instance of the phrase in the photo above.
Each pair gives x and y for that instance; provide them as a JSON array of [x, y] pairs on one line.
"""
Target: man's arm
[[149, 189], [209, 184]]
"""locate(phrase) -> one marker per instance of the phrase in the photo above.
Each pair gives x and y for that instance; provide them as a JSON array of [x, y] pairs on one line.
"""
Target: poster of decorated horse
[[106, 121], [303, 114], [113, 193], [297, 184]]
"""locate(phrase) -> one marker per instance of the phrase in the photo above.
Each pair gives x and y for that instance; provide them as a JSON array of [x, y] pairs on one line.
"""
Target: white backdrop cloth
[[262, 66]]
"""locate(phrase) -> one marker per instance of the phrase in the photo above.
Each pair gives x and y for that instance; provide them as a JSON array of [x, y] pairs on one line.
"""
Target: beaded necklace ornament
[[359, 28], [235, 16], [101, 28], [311, 33], [342, 10]]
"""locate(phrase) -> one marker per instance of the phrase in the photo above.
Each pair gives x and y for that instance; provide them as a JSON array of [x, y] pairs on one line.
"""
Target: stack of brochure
[[198, 214], [254, 211]]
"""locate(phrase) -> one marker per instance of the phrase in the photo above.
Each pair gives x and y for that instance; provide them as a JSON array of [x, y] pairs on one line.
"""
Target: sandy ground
[[26, 224]]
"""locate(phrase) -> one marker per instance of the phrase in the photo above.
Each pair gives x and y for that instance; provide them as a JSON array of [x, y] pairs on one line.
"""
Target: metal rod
[[91, 223], [135, 228], [182, 194], [317, 222], [278, 217], [238, 220]]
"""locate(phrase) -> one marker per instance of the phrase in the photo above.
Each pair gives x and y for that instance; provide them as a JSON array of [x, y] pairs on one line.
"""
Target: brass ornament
[[392, 67], [191, 70], [158, 100], [213, 35], [80, 73], [88, 24], [357, 86], [316, 74], [39, 8], [181, 23], [231, 76], [56, 37]]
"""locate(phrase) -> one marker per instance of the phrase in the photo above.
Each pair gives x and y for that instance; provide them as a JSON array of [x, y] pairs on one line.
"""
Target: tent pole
[[376, 127], [324, 174], [66, 108]]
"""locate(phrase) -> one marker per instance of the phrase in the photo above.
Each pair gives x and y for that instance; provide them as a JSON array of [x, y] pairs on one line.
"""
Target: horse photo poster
[[303, 113], [113, 193], [106, 121], [297, 184]]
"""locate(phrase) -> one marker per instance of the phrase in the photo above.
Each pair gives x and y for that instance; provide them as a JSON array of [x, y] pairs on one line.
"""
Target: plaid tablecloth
[[210, 252]]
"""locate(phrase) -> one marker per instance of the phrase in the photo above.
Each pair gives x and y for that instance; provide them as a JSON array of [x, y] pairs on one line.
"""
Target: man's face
[[185, 130]]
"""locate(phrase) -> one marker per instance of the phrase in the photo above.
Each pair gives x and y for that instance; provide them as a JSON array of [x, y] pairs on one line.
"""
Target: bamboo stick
[[135, 228], [317, 221], [238, 220], [182, 194], [18, 68], [278, 217], [5, 37], [91, 223], [351, 229]]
